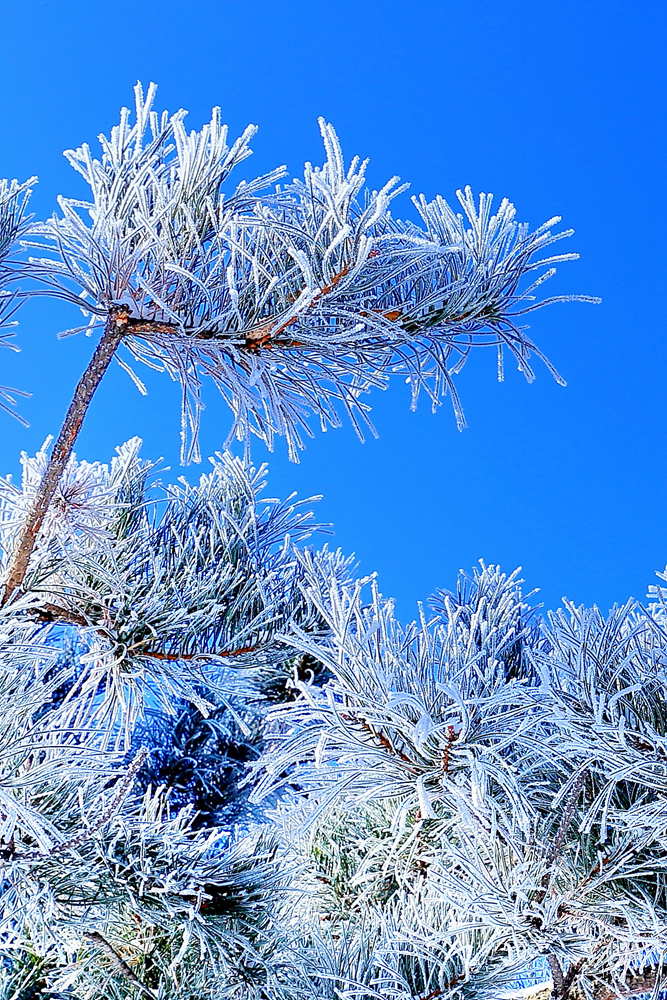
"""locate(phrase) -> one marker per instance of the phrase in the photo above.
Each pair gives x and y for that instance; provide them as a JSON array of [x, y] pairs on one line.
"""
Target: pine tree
[[226, 769]]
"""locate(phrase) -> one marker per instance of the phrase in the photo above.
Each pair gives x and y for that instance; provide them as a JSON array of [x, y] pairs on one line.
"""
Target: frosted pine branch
[[294, 302]]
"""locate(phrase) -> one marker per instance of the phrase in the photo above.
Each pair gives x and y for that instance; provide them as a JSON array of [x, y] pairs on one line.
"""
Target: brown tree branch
[[119, 964], [557, 976], [451, 736], [358, 720], [256, 337], [113, 334], [564, 825], [571, 975], [53, 613], [195, 656], [48, 612]]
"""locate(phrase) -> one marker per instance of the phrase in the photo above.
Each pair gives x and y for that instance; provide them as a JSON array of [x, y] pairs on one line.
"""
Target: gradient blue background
[[560, 107]]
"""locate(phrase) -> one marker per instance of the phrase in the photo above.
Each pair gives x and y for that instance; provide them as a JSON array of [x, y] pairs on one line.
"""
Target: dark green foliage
[[201, 762]]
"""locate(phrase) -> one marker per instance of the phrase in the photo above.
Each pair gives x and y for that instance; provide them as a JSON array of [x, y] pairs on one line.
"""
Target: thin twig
[[451, 736], [81, 838], [54, 613], [567, 817], [195, 656], [119, 964], [563, 827], [378, 735]]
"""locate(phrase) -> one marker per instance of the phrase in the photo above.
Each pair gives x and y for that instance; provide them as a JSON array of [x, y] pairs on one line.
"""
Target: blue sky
[[560, 107]]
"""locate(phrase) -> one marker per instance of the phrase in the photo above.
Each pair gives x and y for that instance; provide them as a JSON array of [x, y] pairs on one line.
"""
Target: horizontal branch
[[55, 614], [175, 657], [254, 338]]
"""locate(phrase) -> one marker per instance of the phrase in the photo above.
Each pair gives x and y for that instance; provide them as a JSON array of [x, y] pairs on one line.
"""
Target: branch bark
[[571, 975], [113, 333], [195, 656], [557, 976], [118, 963], [48, 612]]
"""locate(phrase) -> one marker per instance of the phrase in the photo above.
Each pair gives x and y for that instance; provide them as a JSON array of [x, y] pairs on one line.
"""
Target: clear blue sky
[[560, 107]]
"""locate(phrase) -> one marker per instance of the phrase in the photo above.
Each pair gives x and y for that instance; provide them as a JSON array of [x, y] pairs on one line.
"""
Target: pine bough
[[226, 769]]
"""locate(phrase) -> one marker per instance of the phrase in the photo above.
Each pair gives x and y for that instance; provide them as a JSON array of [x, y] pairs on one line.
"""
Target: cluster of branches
[[226, 769], [343, 806], [480, 790]]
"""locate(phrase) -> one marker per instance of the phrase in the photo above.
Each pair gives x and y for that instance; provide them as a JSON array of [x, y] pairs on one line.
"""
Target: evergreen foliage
[[226, 769]]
